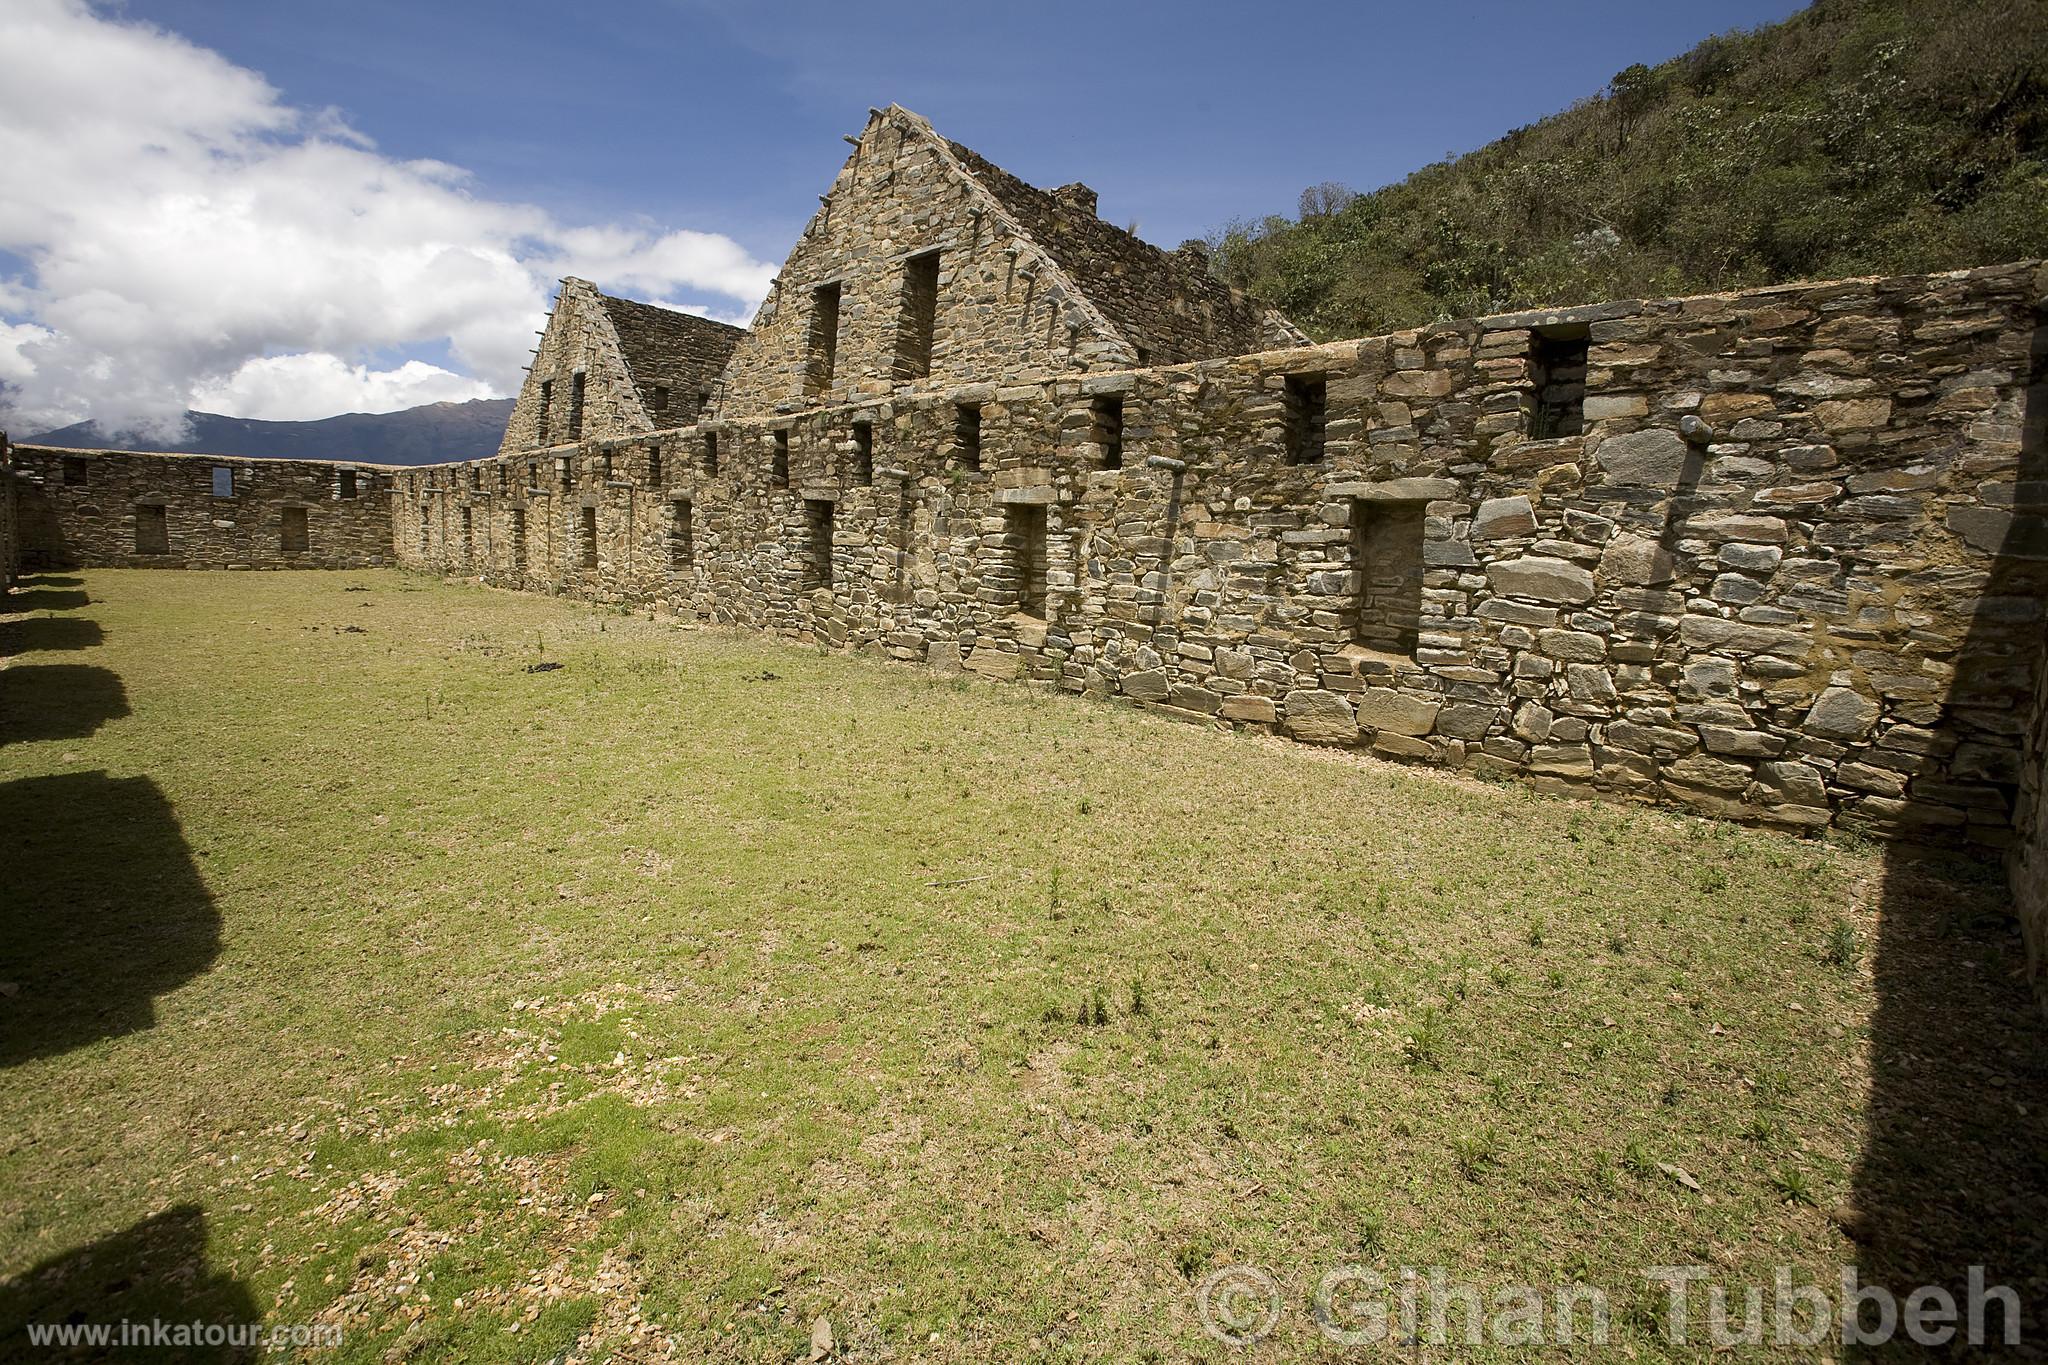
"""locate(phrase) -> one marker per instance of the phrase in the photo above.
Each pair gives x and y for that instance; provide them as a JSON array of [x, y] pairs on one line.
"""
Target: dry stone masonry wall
[[10, 501], [1785, 572], [935, 269], [110, 508]]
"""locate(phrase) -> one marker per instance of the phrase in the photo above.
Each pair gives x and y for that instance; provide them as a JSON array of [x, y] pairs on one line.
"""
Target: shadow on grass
[[153, 1270], [1955, 1170], [24, 634], [57, 701], [47, 599], [101, 910]]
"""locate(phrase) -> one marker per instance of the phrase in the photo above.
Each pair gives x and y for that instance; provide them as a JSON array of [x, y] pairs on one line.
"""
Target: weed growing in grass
[[1618, 940], [1794, 1187], [1138, 1005], [1761, 1129], [1094, 1011], [1772, 1084], [1424, 1048], [1711, 881], [1637, 1161], [1477, 1154], [1671, 1096], [1842, 948]]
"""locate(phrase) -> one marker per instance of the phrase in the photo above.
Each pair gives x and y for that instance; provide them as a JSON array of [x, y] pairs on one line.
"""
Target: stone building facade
[[928, 267], [608, 367], [110, 508], [1781, 571]]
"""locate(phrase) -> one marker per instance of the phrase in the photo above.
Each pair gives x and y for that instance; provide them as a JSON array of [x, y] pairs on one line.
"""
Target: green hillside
[[1857, 137]]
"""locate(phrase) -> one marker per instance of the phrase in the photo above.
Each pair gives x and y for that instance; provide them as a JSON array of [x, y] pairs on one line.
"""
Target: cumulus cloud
[[314, 384], [187, 238]]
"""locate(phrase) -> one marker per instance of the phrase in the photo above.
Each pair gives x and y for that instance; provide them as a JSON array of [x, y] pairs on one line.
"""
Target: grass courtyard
[[358, 970]]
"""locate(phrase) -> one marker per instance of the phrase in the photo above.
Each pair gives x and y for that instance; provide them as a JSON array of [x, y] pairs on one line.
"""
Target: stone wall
[[2027, 861], [102, 508], [1027, 285], [10, 540], [1782, 574], [580, 339]]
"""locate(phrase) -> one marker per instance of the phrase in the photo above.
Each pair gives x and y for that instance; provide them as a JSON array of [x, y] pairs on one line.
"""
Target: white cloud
[[285, 388], [192, 240]]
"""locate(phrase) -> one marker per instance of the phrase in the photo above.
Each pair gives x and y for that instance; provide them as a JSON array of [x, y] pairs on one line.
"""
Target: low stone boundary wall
[[130, 509]]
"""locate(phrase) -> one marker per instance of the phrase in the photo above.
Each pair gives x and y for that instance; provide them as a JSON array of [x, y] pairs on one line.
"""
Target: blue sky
[[290, 208], [727, 117]]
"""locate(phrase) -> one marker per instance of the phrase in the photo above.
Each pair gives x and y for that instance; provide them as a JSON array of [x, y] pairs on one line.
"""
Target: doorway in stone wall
[[1386, 565]]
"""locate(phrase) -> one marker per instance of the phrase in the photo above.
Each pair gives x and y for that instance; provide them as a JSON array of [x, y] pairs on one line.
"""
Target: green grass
[[707, 986]]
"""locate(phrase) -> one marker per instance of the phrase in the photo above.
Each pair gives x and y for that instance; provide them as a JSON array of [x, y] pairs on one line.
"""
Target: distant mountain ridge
[[428, 434]]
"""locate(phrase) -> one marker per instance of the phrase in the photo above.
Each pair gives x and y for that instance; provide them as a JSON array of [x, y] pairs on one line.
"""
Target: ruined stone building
[[1776, 555]]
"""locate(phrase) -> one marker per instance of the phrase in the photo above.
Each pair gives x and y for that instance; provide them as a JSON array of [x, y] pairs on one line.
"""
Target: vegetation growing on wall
[[1858, 137]]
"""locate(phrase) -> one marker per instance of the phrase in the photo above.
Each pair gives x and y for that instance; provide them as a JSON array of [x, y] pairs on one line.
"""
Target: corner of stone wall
[[2026, 862]]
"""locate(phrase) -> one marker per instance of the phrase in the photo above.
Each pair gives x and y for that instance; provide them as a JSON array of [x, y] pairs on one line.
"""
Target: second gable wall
[[1004, 311]]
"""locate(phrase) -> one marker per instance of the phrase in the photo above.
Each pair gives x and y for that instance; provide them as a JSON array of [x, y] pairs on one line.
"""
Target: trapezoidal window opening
[[815, 569], [1024, 544], [589, 524], [152, 529], [778, 460], [863, 453], [223, 481], [824, 341], [967, 435], [682, 547], [657, 399], [654, 465], [345, 485], [544, 412], [1557, 382], [710, 452], [1306, 401], [576, 406], [1106, 429], [293, 537], [1386, 564], [918, 318], [74, 471]]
